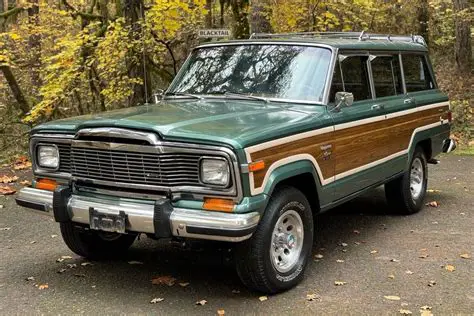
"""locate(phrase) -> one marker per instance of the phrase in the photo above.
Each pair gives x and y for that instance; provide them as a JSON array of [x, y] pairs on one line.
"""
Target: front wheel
[[95, 244], [407, 193], [275, 257]]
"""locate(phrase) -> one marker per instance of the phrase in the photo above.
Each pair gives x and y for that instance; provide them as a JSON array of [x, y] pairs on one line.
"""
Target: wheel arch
[[301, 175]]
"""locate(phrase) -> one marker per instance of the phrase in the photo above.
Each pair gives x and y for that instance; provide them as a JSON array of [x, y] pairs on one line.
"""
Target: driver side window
[[351, 75]]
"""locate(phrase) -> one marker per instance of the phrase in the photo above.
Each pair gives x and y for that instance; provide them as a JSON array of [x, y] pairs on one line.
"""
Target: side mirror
[[158, 96], [343, 99]]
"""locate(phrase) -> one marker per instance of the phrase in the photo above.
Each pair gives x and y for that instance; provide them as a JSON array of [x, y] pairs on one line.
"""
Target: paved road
[[411, 252]]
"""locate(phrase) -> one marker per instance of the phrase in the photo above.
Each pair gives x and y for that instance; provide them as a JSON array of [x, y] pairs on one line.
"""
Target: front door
[[358, 140]]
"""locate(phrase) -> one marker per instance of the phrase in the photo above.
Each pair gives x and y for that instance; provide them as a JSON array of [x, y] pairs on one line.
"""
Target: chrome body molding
[[156, 146], [186, 223]]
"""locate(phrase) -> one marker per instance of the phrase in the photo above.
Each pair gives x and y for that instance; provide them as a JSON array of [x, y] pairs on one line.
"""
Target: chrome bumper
[[449, 145], [188, 223]]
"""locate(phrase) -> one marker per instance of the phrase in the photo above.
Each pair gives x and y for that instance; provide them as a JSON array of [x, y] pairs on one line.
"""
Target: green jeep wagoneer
[[250, 142]]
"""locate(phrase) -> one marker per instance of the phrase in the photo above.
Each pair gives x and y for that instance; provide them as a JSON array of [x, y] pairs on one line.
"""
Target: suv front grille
[[177, 169]]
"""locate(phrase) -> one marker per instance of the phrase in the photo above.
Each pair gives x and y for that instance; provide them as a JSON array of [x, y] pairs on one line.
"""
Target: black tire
[[399, 191], [253, 259], [94, 244]]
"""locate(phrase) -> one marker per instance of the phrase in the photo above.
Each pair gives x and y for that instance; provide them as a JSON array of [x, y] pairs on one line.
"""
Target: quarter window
[[387, 75], [351, 75], [417, 74]]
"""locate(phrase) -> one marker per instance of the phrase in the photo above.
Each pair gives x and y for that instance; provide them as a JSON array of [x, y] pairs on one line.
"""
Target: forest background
[[61, 58]]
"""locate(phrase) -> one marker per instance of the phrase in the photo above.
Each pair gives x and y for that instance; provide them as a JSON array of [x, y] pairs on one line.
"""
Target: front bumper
[[146, 217]]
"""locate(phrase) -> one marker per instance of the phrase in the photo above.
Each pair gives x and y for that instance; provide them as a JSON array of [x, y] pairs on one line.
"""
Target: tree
[[463, 48]]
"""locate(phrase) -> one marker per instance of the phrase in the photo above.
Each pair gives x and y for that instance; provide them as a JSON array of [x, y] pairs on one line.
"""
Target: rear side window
[[417, 74], [387, 75], [351, 75]]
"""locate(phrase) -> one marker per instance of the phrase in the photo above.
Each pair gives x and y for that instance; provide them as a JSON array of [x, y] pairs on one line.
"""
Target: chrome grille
[[161, 169]]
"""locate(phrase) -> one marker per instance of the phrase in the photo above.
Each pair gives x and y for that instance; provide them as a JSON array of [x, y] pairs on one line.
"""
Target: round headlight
[[215, 171], [48, 156]]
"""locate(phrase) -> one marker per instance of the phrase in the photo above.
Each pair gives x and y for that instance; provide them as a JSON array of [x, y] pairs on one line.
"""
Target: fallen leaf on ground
[[405, 312], [432, 283], [135, 262], [21, 163], [409, 272], [394, 260], [433, 191], [355, 231], [392, 297], [318, 256], [5, 228], [432, 204], [465, 256], [184, 284], [339, 261], [157, 300], [25, 182], [8, 179], [263, 298], [85, 264], [6, 190], [391, 276], [43, 286], [165, 279], [235, 291], [2, 206], [30, 278], [62, 270], [373, 251], [201, 302], [337, 283], [426, 311], [33, 242], [71, 265], [220, 312], [312, 297], [80, 275], [54, 236], [450, 267], [424, 256], [343, 244]]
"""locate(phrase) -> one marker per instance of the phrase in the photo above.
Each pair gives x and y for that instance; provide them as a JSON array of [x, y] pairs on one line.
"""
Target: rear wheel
[[275, 257], [95, 244], [407, 193]]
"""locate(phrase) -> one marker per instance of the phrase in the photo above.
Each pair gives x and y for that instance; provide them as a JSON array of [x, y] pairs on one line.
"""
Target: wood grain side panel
[[352, 147]]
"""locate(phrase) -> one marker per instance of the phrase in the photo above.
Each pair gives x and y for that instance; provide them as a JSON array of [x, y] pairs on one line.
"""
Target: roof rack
[[361, 36]]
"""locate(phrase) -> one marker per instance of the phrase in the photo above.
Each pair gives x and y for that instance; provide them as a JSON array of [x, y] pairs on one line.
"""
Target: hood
[[239, 123]]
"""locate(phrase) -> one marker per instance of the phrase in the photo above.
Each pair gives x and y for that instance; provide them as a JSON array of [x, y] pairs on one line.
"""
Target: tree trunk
[[8, 74], [423, 19], [258, 21], [34, 44], [209, 14], [462, 47], [240, 25]]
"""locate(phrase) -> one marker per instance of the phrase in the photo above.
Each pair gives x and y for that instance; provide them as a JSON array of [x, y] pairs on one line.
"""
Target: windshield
[[272, 71]]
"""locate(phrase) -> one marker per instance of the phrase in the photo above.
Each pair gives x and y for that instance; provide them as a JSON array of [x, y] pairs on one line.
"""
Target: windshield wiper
[[241, 95], [184, 94]]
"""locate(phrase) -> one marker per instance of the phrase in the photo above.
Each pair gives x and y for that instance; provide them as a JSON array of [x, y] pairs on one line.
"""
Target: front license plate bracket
[[115, 223]]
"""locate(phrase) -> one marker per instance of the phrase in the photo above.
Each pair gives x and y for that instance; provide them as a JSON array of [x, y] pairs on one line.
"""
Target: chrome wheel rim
[[287, 241], [416, 178]]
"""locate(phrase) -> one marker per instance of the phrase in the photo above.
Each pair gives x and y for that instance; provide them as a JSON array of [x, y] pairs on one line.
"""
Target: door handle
[[409, 100], [377, 107]]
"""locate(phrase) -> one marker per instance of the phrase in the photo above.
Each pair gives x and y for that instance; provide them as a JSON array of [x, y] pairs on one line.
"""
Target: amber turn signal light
[[46, 184], [221, 205], [256, 166]]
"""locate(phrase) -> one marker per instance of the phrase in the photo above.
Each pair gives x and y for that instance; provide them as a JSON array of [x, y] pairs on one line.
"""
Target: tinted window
[[351, 75], [417, 74], [387, 75], [278, 71]]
